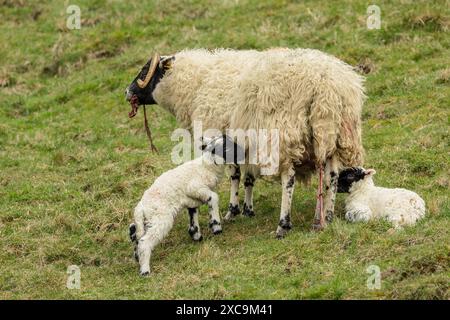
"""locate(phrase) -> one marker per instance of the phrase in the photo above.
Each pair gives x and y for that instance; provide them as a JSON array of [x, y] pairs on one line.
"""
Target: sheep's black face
[[136, 94], [140, 91], [349, 176]]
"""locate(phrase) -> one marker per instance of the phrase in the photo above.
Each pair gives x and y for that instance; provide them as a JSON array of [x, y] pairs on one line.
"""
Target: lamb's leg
[[233, 207], [205, 195], [331, 183], [155, 231], [360, 213], [319, 218], [248, 202], [287, 182], [133, 238], [214, 217], [194, 227]]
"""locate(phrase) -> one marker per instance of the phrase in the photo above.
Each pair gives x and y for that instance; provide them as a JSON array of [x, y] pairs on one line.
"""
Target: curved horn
[[151, 71]]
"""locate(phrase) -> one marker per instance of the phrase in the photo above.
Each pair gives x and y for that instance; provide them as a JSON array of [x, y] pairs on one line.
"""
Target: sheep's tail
[[335, 120], [139, 220]]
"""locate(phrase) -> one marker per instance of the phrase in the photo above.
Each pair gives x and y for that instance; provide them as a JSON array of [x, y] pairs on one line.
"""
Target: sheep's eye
[[350, 177]]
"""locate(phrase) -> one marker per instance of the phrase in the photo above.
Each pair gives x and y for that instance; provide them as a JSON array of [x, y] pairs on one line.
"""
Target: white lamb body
[[187, 186], [399, 206]]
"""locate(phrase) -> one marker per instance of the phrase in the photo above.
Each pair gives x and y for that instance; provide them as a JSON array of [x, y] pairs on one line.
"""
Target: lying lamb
[[366, 201], [186, 186]]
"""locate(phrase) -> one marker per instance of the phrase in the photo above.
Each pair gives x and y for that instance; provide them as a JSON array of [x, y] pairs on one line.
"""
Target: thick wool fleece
[[401, 207], [314, 99]]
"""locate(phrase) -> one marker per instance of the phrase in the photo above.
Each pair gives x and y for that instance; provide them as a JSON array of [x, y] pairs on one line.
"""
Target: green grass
[[73, 166]]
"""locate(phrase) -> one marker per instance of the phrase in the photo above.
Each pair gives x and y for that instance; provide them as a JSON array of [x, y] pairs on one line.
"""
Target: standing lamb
[[401, 207], [312, 98], [187, 186]]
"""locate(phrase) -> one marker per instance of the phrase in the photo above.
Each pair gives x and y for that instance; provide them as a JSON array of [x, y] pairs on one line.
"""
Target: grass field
[[73, 166]]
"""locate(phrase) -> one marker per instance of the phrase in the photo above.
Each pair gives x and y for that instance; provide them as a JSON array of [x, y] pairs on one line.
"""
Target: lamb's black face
[[226, 148], [144, 95], [349, 176]]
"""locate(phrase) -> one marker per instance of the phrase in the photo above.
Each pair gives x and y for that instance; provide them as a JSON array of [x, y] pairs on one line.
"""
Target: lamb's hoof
[[145, 274], [195, 233], [215, 226], [197, 237], [247, 211]]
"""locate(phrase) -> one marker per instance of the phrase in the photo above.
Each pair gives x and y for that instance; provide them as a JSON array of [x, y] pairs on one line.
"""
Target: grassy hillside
[[73, 166]]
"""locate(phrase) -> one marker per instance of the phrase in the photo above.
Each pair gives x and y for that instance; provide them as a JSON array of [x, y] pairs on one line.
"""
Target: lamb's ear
[[166, 62], [370, 172], [205, 141]]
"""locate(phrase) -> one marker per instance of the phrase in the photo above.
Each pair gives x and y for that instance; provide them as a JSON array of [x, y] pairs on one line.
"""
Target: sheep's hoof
[[247, 211], [233, 211], [281, 232], [317, 226], [145, 274]]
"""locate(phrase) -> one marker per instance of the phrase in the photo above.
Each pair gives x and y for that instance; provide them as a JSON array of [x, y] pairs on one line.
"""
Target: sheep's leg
[[155, 231], [233, 207], [287, 182], [194, 226], [248, 202], [331, 183], [319, 218]]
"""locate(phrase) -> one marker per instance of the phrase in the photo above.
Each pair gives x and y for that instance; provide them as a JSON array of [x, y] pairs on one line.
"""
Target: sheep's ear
[[370, 172], [166, 62]]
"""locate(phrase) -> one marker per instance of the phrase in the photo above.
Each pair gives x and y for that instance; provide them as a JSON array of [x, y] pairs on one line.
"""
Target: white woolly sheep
[[186, 186], [312, 98], [401, 207]]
